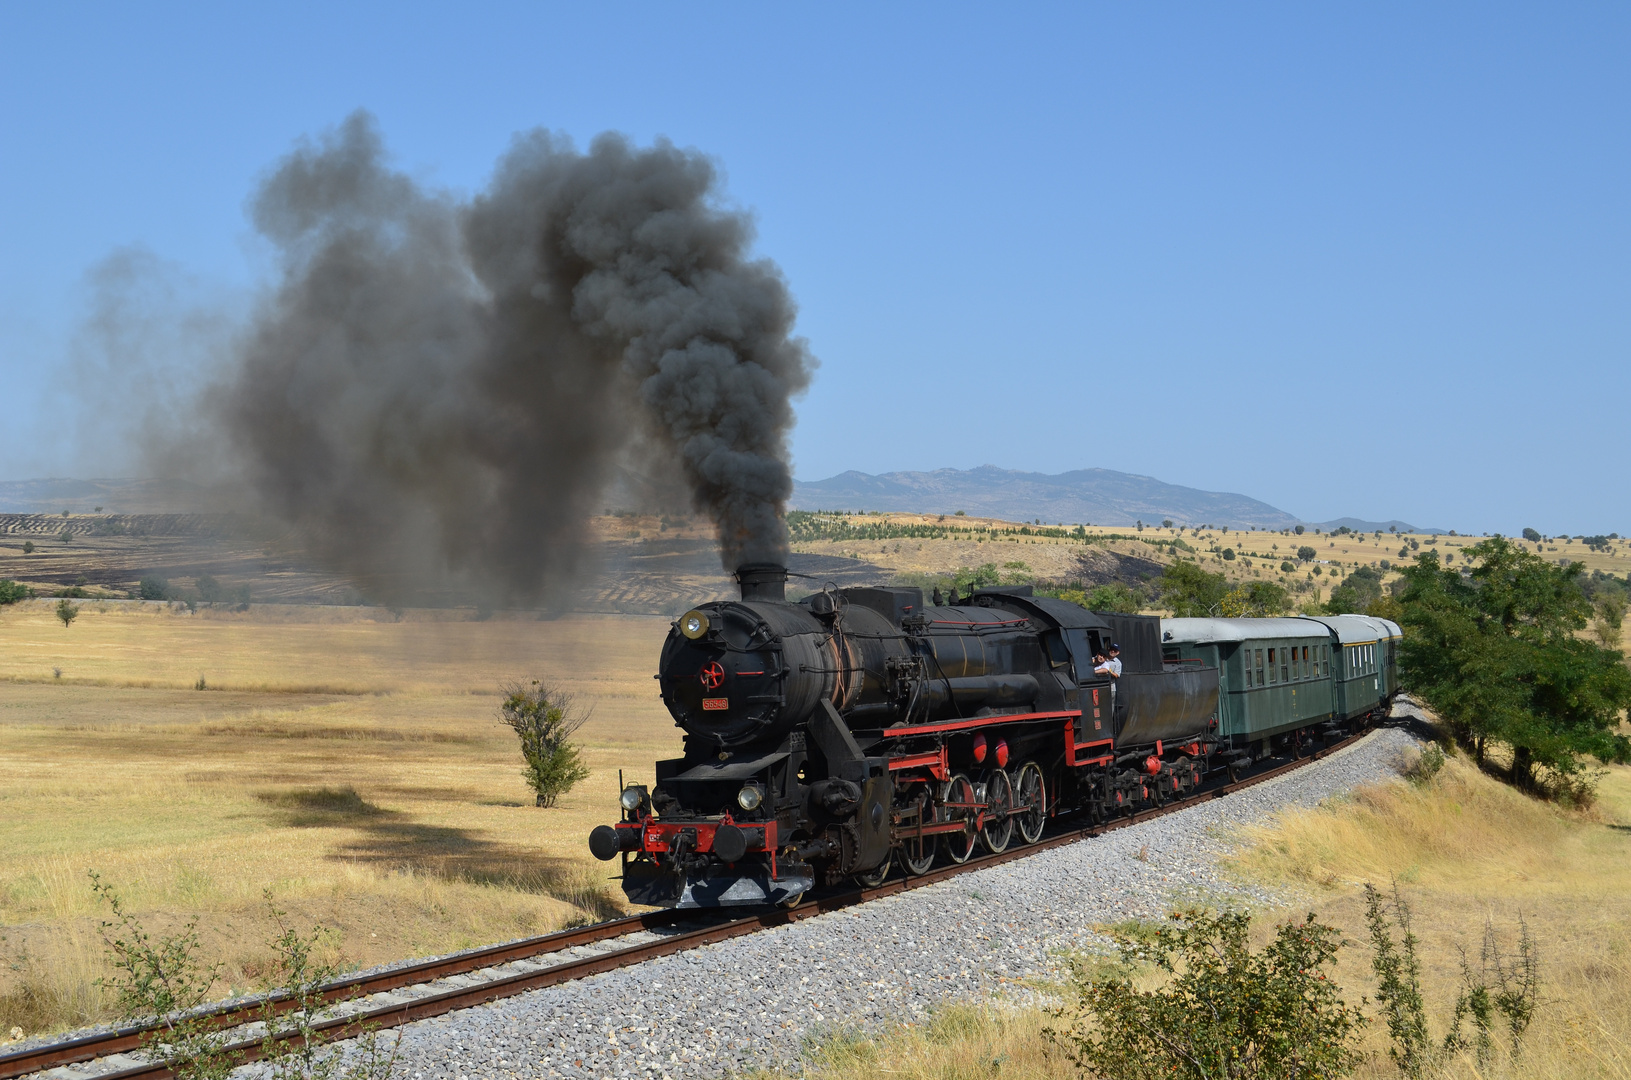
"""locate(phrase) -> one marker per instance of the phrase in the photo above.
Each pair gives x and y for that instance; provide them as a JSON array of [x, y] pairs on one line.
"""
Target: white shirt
[[1111, 667]]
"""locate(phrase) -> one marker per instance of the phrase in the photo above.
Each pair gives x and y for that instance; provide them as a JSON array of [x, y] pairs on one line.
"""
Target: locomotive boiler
[[859, 731]]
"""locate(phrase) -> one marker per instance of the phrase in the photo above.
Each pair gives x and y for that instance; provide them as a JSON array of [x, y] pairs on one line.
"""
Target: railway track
[[431, 988]]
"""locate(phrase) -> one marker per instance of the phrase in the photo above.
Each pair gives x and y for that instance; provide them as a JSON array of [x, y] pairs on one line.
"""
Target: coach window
[[1271, 666], [1325, 661], [1285, 662], [1305, 661], [1259, 667], [1246, 662]]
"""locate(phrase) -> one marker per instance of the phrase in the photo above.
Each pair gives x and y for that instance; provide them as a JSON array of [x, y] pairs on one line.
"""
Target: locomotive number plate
[[715, 704]]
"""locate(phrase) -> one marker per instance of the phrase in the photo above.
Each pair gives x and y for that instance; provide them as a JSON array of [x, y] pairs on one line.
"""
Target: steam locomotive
[[859, 730]]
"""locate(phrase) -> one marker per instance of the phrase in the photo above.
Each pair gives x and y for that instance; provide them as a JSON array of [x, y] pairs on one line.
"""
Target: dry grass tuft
[[960, 1042]]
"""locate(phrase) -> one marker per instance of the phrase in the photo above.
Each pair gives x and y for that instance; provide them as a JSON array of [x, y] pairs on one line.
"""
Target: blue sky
[[1363, 260]]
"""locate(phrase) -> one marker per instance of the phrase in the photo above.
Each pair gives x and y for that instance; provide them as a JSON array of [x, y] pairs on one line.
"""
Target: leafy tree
[[209, 590], [28, 547], [1189, 591], [1257, 600], [545, 718], [1166, 523], [153, 587], [1287, 566], [1117, 597], [1298, 530], [11, 592], [1531, 535], [1228, 554], [67, 611], [1495, 653], [1357, 593], [65, 535], [1222, 1011], [1306, 554]]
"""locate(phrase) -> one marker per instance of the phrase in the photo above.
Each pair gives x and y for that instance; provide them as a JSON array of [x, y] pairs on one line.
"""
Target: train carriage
[[1274, 677], [1365, 668]]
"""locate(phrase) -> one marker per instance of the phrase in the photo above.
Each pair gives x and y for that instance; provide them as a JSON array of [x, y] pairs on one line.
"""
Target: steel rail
[[394, 1014]]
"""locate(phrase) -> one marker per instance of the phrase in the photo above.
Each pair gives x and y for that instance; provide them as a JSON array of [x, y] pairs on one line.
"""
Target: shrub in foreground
[[1222, 1011]]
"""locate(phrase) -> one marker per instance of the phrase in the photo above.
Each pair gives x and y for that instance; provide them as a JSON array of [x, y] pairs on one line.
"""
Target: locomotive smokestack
[[762, 581]]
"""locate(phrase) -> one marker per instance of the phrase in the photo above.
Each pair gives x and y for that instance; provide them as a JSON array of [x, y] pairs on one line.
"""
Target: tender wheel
[[959, 805], [999, 826], [798, 898], [1029, 795], [916, 853]]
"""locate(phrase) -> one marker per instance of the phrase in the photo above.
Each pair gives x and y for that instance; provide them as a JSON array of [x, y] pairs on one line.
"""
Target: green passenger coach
[[1285, 684]]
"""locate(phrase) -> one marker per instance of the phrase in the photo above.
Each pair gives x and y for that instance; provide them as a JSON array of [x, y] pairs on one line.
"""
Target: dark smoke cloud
[[444, 387]]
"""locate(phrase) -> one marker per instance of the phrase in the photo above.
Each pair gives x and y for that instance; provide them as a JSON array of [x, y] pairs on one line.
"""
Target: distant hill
[[1097, 496], [1089, 496]]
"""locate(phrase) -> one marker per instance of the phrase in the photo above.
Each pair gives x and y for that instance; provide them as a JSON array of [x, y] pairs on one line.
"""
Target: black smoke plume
[[444, 387]]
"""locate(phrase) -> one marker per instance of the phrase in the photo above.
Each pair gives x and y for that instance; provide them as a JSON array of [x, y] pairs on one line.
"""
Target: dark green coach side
[[1274, 674], [1364, 664]]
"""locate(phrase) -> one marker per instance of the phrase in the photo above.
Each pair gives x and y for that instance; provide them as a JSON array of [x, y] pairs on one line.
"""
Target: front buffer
[[704, 863]]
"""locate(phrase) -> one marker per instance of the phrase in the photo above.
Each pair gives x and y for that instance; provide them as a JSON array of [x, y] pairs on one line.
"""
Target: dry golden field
[[354, 767]]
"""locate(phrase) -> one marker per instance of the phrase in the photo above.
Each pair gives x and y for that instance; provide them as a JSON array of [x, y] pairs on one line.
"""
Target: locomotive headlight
[[693, 624], [750, 796], [633, 796]]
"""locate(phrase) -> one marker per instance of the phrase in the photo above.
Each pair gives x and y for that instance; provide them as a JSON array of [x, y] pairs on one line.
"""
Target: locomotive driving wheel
[[917, 852], [1029, 796], [871, 879], [999, 826], [959, 805]]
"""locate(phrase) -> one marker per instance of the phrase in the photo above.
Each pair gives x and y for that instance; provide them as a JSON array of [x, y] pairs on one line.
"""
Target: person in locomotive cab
[[1109, 665]]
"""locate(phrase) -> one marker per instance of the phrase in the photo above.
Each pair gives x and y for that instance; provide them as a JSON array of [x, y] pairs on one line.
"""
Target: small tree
[[1224, 1011], [11, 592], [545, 717], [153, 587], [28, 547], [1306, 554], [67, 611]]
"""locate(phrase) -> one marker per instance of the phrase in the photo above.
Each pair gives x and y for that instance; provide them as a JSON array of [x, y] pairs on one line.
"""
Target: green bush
[[1223, 1011], [544, 718], [153, 587], [11, 592]]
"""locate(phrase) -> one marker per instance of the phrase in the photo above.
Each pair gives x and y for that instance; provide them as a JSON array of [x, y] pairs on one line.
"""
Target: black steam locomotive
[[859, 730]]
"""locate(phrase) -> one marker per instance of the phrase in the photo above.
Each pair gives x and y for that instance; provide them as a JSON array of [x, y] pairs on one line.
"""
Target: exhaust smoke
[[443, 387]]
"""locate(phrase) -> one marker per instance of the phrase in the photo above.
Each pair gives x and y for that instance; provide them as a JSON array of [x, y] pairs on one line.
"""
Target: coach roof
[[1359, 629], [1199, 631]]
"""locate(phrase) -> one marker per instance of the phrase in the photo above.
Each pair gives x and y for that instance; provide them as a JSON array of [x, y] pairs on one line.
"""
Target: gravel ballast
[[753, 1001]]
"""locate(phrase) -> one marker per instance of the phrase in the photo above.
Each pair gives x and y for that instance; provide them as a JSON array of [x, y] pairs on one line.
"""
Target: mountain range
[[1082, 496], [1085, 496]]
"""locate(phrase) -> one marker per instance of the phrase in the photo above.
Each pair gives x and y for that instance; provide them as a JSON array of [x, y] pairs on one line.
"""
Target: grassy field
[[1464, 848], [354, 767]]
